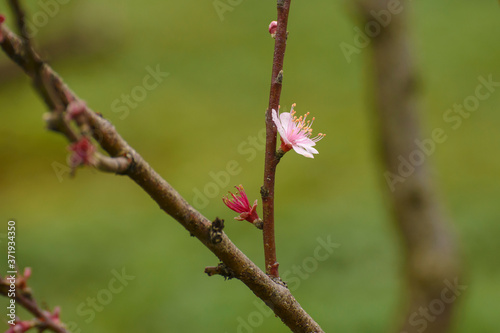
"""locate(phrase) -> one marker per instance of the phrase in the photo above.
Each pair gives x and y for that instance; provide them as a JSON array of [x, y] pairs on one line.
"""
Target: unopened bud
[[273, 26]]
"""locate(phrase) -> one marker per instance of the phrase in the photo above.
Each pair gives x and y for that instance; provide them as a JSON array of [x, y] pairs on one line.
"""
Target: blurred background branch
[[430, 243]]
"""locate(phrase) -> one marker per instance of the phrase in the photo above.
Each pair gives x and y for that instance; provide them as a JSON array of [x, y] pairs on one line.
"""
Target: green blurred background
[[74, 233]]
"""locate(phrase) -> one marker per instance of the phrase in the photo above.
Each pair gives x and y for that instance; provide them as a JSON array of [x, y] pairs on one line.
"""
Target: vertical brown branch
[[271, 159], [432, 262]]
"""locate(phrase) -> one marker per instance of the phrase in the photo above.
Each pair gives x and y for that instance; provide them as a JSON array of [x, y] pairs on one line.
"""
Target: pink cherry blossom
[[296, 132], [240, 204]]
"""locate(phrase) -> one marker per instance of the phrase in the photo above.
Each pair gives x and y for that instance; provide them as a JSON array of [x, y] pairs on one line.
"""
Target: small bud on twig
[[75, 109], [273, 26], [83, 153]]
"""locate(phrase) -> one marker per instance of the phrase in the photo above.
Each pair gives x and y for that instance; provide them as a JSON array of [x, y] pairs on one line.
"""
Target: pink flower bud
[[83, 152], [21, 327], [75, 109], [27, 272], [55, 315], [240, 204], [272, 28]]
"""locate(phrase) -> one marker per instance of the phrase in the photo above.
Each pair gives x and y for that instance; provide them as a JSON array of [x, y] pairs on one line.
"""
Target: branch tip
[[222, 270]]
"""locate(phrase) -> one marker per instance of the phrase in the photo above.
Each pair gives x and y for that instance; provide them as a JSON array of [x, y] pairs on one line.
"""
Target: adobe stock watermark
[[122, 105], [425, 315], [454, 117], [223, 6], [48, 10], [372, 29], [138, 93], [102, 298], [220, 179], [294, 278]]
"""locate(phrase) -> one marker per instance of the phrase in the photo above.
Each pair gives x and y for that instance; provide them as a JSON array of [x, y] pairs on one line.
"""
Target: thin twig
[[271, 158]]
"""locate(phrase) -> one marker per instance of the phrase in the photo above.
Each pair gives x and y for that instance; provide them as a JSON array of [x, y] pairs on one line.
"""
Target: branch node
[[264, 192], [279, 78], [259, 224], [279, 154], [279, 281], [119, 165], [216, 231], [222, 270], [131, 163], [273, 271]]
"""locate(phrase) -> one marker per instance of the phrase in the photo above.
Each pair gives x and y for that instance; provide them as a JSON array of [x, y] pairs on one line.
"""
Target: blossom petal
[[311, 150], [307, 144], [288, 125], [302, 151], [279, 125], [286, 118]]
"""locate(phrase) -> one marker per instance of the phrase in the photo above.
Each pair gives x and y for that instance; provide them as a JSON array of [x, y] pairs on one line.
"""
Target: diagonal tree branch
[[276, 296]]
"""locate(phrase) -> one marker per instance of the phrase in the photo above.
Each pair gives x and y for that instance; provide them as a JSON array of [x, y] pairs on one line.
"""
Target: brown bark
[[271, 159], [431, 255]]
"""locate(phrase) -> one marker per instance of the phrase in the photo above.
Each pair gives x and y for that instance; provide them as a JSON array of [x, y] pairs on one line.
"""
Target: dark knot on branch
[[222, 270], [216, 231]]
